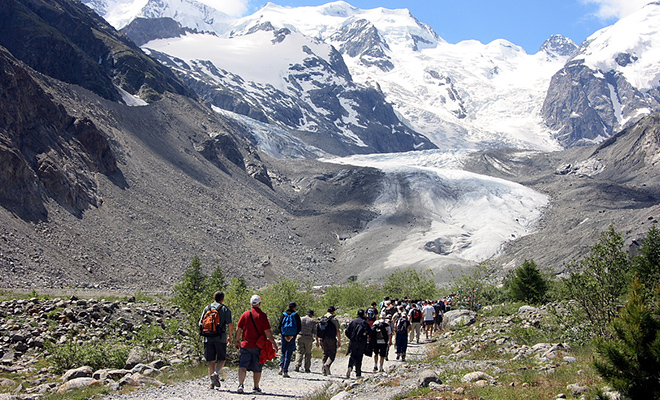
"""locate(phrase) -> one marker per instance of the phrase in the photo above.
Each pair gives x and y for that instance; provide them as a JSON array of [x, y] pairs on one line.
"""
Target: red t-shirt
[[250, 335]]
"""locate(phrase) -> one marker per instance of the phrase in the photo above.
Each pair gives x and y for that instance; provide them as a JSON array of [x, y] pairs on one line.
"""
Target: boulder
[[137, 355], [428, 376], [476, 376], [82, 372], [455, 318], [78, 384]]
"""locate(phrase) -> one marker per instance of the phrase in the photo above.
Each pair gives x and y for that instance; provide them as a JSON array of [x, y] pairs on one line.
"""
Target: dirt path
[[273, 385]]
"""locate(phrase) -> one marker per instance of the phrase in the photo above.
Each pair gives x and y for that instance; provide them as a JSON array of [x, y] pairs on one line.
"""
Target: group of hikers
[[370, 333]]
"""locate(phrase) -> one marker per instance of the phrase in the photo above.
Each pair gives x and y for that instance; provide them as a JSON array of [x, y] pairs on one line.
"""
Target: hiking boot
[[307, 371], [215, 380], [257, 390], [240, 389], [381, 369], [280, 372], [285, 375], [348, 372], [403, 357], [375, 368], [297, 368], [397, 356], [325, 370]]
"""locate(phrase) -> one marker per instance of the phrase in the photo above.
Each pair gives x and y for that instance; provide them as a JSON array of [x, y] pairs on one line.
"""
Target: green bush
[[599, 280], [476, 288], [350, 297], [98, 355], [411, 284], [277, 296]]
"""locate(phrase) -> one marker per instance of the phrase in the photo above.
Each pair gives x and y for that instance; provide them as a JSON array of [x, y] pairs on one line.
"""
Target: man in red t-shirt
[[252, 324]]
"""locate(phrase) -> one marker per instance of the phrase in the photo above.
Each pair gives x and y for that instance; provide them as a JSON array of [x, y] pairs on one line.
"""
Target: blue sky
[[527, 23]]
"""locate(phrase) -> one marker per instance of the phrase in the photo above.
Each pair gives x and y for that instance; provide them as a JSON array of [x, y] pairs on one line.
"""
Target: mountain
[[99, 194], [611, 82], [465, 95]]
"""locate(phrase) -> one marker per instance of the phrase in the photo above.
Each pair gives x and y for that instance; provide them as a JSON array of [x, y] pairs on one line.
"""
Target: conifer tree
[[630, 361], [528, 284], [646, 264]]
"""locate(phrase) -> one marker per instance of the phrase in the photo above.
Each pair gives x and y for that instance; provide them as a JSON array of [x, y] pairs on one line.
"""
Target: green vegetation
[[599, 309], [528, 284]]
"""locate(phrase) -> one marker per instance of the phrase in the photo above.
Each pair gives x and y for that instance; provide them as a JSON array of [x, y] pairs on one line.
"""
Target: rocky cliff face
[[585, 106], [66, 40], [44, 151], [610, 83]]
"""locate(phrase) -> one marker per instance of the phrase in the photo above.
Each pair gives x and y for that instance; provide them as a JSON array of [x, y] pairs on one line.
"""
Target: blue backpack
[[289, 327]]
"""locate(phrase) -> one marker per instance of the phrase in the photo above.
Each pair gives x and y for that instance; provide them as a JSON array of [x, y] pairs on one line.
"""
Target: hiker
[[382, 303], [382, 340], [402, 326], [255, 340], [306, 341], [289, 328], [439, 312], [213, 324], [372, 313], [328, 337], [358, 332], [429, 318], [415, 315]]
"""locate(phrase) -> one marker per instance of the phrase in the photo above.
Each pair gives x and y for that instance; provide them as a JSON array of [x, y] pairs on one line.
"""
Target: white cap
[[256, 299]]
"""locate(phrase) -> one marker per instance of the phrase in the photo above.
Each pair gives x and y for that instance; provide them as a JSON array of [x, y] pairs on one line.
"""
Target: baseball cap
[[332, 309], [293, 305], [256, 299]]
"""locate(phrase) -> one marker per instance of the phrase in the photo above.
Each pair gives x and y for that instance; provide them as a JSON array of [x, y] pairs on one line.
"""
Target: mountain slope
[[69, 42], [305, 88], [611, 82]]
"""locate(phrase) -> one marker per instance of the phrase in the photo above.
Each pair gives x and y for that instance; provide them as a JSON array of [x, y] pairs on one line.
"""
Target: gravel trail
[[273, 385]]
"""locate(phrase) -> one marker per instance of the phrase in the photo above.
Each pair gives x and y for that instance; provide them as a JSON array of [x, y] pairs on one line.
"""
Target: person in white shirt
[[429, 318]]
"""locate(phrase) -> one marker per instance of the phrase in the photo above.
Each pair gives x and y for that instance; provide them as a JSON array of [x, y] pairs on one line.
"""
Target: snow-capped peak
[[631, 46], [559, 46]]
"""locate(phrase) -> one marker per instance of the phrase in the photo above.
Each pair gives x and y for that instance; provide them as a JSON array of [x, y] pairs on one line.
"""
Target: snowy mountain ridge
[[467, 95]]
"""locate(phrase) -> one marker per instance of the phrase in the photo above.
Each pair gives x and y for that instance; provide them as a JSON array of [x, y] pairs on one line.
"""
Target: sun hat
[[256, 299]]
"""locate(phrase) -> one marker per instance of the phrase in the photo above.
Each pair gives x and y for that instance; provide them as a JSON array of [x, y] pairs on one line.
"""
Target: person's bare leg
[[257, 378], [211, 367], [242, 372]]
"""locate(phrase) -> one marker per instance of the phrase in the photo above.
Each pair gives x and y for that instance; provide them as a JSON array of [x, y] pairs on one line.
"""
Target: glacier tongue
[[453, 216]]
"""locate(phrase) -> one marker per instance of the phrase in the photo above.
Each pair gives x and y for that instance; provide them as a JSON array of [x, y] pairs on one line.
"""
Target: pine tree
[[646, 264], [630, 361], [528, 284]]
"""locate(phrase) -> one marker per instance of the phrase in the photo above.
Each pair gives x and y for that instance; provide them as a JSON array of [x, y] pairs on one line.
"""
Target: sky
[[527, 23]]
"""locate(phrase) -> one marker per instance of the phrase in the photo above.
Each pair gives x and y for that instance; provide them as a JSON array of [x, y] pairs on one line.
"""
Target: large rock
[[137, 355], [427, 377], [82, 372], [476, 376], [78, 384], [455, 318]]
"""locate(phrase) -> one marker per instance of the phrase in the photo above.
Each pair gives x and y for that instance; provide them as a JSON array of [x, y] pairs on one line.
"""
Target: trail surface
[[273, 385]]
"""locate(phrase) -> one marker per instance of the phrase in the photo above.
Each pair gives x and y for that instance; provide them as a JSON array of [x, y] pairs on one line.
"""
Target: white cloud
[[234, 8], [608, 9]]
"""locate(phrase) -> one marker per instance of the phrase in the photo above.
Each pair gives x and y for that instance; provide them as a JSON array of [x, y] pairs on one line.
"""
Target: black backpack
[[326, 328], [380, 331]]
